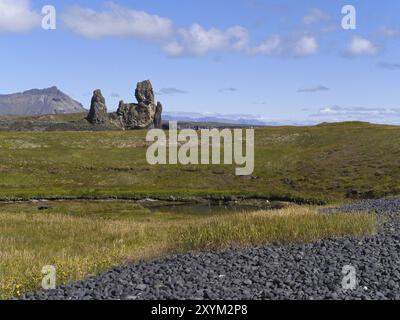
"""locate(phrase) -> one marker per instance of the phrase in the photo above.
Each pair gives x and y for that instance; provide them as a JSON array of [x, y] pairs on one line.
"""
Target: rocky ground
[[307, 271]]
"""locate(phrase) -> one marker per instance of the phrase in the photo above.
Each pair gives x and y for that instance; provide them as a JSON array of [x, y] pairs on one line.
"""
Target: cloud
[[198, 41], [315, 16], [215, 117], [115, 95], [338, 113], [269, 46], [192, 41], [313, 89], [231, 89], [336, 110], [17, 16], [389, 66], [174, 49], [275, 45], [169, 91], [117, 21], [362, 46], [390, 32], [305, 45]]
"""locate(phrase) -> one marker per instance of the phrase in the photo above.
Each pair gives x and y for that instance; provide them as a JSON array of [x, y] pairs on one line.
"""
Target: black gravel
[[307, 271]]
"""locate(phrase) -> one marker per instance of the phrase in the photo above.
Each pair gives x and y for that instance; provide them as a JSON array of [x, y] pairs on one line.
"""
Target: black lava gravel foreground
[[307, 271]]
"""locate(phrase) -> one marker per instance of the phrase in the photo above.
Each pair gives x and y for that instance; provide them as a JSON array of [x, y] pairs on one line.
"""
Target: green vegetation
[[329, 163], [326, 163], [83, 238]]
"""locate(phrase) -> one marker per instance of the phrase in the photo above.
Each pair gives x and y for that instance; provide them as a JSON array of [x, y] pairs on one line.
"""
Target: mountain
[[38, 102], [213, 117], [239, 119]]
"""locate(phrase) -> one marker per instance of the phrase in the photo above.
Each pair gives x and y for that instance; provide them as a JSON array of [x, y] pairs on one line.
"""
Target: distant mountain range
[[241, 119], [38, 102]]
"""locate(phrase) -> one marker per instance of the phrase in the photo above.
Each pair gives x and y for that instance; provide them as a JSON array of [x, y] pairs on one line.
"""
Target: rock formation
[[144, 93], [141, 115], [98, 109], [145, 113], [157, 116]]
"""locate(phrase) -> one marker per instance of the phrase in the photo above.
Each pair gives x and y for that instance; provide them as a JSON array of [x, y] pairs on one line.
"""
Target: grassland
[[83, 238], [323, 164], [326, 163]]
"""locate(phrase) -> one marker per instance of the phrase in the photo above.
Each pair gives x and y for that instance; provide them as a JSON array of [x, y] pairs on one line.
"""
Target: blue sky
[[279, 60]]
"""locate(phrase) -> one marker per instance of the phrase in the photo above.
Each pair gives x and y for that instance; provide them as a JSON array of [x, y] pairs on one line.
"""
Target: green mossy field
[[326, 163]]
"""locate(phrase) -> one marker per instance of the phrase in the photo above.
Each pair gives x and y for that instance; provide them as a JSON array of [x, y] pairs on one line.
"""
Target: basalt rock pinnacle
[[98, 109], [144, 114]]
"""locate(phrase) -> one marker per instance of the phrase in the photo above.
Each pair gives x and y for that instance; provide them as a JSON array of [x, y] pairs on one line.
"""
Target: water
[[207, 208]]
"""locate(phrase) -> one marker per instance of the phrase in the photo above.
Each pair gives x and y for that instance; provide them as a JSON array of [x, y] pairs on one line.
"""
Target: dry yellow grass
[[82, 238], [293, 224]]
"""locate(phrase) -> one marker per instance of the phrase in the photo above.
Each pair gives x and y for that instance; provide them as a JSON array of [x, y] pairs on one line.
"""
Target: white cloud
[[269, 46], [305, 45], [297, 46], [338, 113], [174, 49], [240, 37], [362, 46], [17, 16], [195, 40], [328, 110], [315, 15], [198, 41], [117, 21]]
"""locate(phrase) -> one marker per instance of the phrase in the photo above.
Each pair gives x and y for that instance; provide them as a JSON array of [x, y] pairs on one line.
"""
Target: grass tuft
[[284, 226]]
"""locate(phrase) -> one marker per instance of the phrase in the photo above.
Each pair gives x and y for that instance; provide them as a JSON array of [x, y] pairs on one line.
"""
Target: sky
[[287, 61]]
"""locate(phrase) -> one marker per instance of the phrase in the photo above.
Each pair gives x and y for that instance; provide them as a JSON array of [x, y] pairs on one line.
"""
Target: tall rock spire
[[98, 109]]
